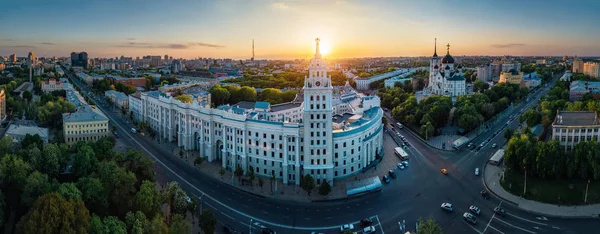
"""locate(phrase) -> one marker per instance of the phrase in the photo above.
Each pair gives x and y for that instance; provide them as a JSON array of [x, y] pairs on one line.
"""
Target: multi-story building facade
[[87, 123], [12, 58], [287, 141], [511, 77], [591, 69], [52, 85], [79, 59], [2, 105], [119, 99], [578, 88], [572, 127], [577, 65], [484, 73]]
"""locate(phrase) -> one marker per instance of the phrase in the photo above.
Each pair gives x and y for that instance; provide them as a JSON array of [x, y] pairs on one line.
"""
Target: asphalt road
[[417, 192]]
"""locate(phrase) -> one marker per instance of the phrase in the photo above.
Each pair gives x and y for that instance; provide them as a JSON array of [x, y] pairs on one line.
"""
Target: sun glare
[[325, 47]]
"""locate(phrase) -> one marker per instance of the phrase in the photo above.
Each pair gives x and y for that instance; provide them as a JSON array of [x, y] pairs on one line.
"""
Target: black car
[[392, 174], [366, 222], [267, 231], [500, 211], [485, 194]]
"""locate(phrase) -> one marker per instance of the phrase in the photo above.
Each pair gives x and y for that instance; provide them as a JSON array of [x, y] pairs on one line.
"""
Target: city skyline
[[225, 29]]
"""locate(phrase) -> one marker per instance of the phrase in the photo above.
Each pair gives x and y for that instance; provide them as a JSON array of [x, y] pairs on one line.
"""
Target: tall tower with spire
[[252, 59], [317, 120]]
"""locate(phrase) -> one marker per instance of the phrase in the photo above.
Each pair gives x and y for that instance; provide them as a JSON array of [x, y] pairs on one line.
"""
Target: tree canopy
[[52, 213]]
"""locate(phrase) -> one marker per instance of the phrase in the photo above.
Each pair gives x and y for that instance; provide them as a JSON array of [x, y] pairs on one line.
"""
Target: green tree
[[27, 95], [271, 95], [157, 225], [93, 194], [36, 184], [260, 182], [120, 186], [69, 191], [207, 221], [139, 164], [288, 95], [50, 162], [219, 95], [2, 209], [239, 172], [221, 172], [6, 146], [136, 222], [51, 213], [32, 140], [147, 199], [324, 188], [508, 133], [108, 225], [247, 93], [193, 207], [175, 198], [251, 175], [308, 183], [84, 161], [179, 225], [184, 98], [429, 226], [427, 130]]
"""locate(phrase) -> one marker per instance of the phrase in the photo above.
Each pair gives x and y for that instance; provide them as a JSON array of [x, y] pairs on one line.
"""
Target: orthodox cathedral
[[444, 78]]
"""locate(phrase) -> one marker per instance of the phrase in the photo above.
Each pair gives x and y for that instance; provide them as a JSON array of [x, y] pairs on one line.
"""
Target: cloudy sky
[[286, 29]]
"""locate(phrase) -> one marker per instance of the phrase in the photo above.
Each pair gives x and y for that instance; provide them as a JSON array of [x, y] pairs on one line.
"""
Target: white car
[[475, 210], [477, 171], [369, 229], [494, 145], [346, 227], [447, 206]]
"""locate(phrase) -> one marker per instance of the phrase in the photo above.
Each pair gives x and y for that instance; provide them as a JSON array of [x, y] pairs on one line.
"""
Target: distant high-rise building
[[31, 58], [176, 66], [591, 69], [484, 73], [495, 69], [578, 65], [2, 105], [79, 59], [13, 58], [166, 57]]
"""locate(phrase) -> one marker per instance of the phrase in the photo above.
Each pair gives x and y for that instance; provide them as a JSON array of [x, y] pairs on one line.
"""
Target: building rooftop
[[576, 118], [22, 130], [342, 118], [117, 94], [245, 105], [285, 106], [84, 113]]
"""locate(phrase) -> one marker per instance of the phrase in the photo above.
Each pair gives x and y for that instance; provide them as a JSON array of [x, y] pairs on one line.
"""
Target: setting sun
[[325, 47]]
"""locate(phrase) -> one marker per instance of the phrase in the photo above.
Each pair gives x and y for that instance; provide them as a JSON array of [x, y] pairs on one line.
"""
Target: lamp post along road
[[525, 185], [586, 191]]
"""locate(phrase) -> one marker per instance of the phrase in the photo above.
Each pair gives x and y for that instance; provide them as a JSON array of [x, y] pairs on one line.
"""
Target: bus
[[497, 158], [401, 153], [399, 125]]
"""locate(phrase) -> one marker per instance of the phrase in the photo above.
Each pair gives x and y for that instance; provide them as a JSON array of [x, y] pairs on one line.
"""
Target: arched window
[[311, 98], [317, 98]]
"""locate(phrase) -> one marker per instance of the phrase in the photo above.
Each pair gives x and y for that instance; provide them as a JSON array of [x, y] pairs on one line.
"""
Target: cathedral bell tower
[[317, 121]]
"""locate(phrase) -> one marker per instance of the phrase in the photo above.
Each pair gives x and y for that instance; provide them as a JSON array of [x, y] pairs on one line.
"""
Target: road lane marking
[[494, 215], [379, 223], [227, 215], [527, 220], [522, 229], [492, 227], [472, 227]]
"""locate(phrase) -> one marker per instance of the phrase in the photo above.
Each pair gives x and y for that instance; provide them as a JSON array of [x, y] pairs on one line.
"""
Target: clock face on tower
[[318, 83]]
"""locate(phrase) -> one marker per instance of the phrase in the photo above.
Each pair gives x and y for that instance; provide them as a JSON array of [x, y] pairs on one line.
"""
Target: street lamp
[[525, 185], [586, 191], [201, 202]]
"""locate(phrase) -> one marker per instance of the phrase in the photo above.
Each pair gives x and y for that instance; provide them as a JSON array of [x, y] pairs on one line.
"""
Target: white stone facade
[[275, 146], [444, 78]]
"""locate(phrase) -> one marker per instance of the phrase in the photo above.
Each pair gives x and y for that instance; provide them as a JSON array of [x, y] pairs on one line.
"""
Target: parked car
[[366, 222], [392, 173], [494, 145], [477, 171], [346, 227], [267, 231], [470, 218], [475, 210], [500, 211], [447, 207], [386, 179], [444, 171], [369, 229], [405, 163], [485, 194]]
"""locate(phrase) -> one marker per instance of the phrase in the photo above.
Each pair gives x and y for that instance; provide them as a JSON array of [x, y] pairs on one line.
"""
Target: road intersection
[[417, 192]]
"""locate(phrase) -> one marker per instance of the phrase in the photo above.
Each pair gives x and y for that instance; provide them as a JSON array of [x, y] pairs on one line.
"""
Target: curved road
[[417, 192]]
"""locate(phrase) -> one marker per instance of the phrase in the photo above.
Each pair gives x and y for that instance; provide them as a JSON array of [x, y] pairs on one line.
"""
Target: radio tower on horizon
[[252, 59]]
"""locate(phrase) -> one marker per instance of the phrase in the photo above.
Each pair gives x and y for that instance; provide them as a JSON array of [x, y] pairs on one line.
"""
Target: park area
[[559, 192]]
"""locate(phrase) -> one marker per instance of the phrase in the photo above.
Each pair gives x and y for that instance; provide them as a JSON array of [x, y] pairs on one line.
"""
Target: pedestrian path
[[492, 175]]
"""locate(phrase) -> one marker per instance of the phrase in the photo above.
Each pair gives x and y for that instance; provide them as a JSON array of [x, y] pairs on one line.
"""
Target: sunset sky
[[286, 29]]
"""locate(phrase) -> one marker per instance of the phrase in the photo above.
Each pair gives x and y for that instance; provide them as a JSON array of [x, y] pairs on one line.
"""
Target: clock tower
[[318, 113]]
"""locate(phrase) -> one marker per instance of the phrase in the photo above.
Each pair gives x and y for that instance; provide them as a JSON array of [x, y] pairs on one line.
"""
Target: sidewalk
[[491, 180], [284, 192]]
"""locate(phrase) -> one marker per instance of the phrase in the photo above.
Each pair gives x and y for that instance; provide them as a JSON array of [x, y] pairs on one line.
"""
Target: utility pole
[[525, 185], [250, 227]]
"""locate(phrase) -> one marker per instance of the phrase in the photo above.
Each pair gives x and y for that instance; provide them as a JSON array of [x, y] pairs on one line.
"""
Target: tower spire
[[252, 49], [317, 51], [448, 48], [435, 48]]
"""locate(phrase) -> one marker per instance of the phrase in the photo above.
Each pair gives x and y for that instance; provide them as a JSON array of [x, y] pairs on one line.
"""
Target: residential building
[[364, 83], [507, 66], [531, 80], [135, 82], [118, 99], [18, 132], [79, 60], [135, 106], [13, 58], [391, 82], [496, 69], [2, 66], [52, 85], [591, 69], [286, 141], [512, 77], [484, 73], [572, 127], [2, 105], [578, 65], [107, 66], [87, 123], [578, 88], [444, 78]]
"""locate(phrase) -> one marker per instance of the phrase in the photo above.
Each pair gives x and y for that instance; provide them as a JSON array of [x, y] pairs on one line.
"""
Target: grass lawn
[[560, 192]]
